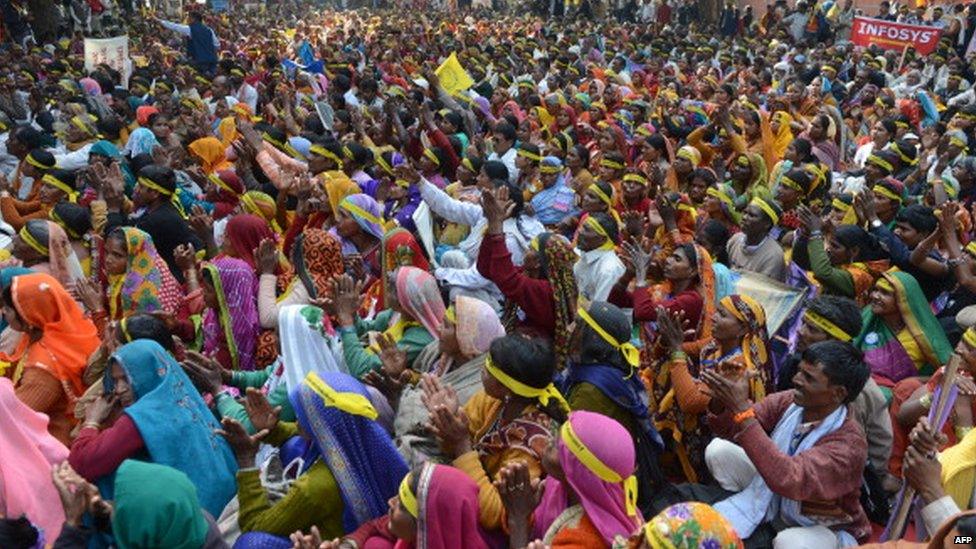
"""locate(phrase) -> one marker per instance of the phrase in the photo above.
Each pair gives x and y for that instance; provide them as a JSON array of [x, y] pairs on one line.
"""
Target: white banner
[[113, 52]]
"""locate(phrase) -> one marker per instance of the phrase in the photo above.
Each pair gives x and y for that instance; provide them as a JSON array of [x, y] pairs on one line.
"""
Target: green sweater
[[228, 406], [835, 281], [360, 360], [312, 500]]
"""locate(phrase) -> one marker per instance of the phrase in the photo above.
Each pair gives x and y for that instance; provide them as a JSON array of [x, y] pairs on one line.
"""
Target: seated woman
[[436, 506], [76, 221], [55, 185], [8, 336], [164, 420], [27, 453], [602, 379], [510, 420], [399, 249], [456, 358], [900, 337], [359, 227], [348, 468], [53, 348], [154, 506], [590, 496], [415, 316], [242, 236], [223, 190], [316, 258], [847, 264], [44, 247], [738, 347]]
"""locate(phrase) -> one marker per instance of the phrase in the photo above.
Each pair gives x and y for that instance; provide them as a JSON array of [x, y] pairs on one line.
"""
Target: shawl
[[365, 211], [309, 343], [604, 501], [244, 234], [316, 259], [68, 337], [211, 154], [355, 447], [174, 422], [399, 249], [886, 356], [261, 205], [420, 297], [27, 452], [476, 326], [691, 524], [141, 141], [147, 285], [156, 506], [958, 465], [784, 135], [447, 504], [234, 283], [338, 186]]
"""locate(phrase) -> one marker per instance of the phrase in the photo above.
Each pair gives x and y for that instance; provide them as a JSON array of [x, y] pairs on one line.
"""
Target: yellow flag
[[452, 76]]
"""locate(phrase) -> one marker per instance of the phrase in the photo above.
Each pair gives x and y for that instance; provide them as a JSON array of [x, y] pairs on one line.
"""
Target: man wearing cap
[[754, 249]]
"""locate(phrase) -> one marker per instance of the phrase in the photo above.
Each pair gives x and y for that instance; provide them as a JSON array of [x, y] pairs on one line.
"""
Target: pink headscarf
[[27, 452], [604, 502], [91, 86], [512, 107], [420, 297], [447, 501], [477, 325]]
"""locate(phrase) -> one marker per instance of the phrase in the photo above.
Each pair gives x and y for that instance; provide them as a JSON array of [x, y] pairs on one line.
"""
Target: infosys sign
[[894, 36]]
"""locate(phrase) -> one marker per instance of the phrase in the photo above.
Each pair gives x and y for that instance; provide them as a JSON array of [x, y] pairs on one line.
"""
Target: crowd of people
[[302, 278]]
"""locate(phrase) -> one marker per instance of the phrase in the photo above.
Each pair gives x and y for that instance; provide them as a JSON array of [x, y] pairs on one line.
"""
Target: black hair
[[65, 176], [144, 326], [18, 533], [160, 175], [109, 127], [708, 176], [29, 136], [140, 161], [608, 223], [495, 169], [76, 218], [43, 157], [593, 348], [360, 154], [919, 217], [804, 150], [529, 361], [841, 311], [583, 153], [505, 130], [842, 363], [890, 126], [477, 163], [717, 233], [852, 236], [691, 253]]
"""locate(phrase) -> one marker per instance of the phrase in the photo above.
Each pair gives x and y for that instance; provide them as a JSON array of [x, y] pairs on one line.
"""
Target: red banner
[[894, 36]]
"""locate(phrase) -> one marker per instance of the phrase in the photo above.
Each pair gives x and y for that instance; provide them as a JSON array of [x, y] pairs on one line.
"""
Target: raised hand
[[267, 256], [263, 416], [245, 446], [669, 329], [451, 430], [436, 394], [393, 358]]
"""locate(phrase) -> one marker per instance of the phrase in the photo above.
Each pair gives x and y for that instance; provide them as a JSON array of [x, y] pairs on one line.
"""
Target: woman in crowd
[[230, 322], [139, 280], [44, 247]]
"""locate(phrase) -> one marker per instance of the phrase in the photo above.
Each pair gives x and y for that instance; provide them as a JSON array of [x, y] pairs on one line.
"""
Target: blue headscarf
[[141, 141], [176, 426], [6, 278], [360, 454]]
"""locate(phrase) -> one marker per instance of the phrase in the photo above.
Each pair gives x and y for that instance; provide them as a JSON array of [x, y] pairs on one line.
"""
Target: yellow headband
[[612, 164], [450, 315], [592, 223], [216, 180], [841, 205], [150, 184], [326, 153], [827, 326], [880, 162], [123, 325], [356, 210], [766, 208], [631, 354], [550, 169], [432, 156], [31, 241], [969, 336], [904, 157], [958, 142], [468, 165], [722, 196], [884, 284], [886, 192], [407, 499], [603, 196], [347, 152], [33, 162], [542, 395], [529, 154], [384, 164], [78, 123], [636, 178], [350, 403], [971, 248], [57, 219], [791, 184], [598, 468], [61, 186]]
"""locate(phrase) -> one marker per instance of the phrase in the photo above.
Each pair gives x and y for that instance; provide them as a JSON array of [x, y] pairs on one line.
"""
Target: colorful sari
[[399, 249], [232, 328], [244, 234], [693, 524], [229, 191], [211, 154], [335, 411], [886, 352], [27, 453], [316, 259], [147, 285], [263, 206], [447, 511], [174, 422]]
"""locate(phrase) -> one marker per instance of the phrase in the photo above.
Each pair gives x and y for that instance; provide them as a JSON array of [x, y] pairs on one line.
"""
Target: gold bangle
[[926, 400]]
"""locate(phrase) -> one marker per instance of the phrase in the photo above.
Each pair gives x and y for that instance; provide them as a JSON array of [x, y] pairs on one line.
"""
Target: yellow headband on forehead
[[407, 498], [356, 210], [597, 467], [325, 153], [636, 178], [612, 164], [350, 403], [80, 124], [602, 195], [529, 155], [49, 179], [631, 354], [757, 311], [216, 180], [34, 162], [544, 395], [971, 248], [432, 156], [468, 165], [880, 162], [384, 164], [959, 143], [886, 192], [904, 157], [827, 326], [57, 219], [550, 169], [766, 208], [150, 184], [786, 181], [29, 239], [592, 223], [969, 336], [839, 204], [884, 284]]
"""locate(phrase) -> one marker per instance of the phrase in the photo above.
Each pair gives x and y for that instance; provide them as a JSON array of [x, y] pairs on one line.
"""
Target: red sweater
[[534, 296], [95, 454], [826, 479]]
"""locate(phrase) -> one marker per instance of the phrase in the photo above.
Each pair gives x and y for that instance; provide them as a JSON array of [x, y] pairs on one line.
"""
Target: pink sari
[[447, 501]]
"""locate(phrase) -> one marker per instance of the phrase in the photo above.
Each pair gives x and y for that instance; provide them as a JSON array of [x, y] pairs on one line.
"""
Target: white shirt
[[74, 160], [185, 30], [596, 272], [509, 160], [248, 95]]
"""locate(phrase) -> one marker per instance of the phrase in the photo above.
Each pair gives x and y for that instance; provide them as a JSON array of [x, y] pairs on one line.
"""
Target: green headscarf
[[156, 506]]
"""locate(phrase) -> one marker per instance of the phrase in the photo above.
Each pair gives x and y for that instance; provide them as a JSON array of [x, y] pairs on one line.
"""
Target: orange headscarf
[[210, 151], [68, 337]]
